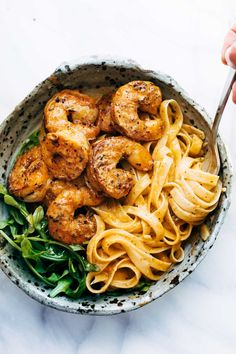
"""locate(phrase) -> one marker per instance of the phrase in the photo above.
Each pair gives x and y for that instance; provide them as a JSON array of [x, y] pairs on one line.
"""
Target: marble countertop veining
[[182, 38]]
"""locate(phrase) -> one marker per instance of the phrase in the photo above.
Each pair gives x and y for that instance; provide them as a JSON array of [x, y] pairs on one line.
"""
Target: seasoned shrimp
[[70, 108], [29, 177], [56, 187], [131, 98], [103, 173], [63, 225], [105, 113], [65, 153]]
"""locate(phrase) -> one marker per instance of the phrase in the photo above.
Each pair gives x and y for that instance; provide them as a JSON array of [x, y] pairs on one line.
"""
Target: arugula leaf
[[144, 285], [29, 143], [42, 229], [9, 240], [75, 293], [26, 248], [38, 216], [39, 266], [3, 224], [54, 253], [28, 251], [9, 200], [62, 286], [56, 277], [17, 216], [77, 248], [58, 265], [14, 230], [19, 238], [38, 275], [75, 273], [3, 189], [89, 267], [30, 228]]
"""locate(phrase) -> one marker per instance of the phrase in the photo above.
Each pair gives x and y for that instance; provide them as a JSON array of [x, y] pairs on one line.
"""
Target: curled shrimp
[[29, 177], [56, 187], [128, 101], [65, 153], [105, 113], [102, 171], [70, 108], [63, 224]]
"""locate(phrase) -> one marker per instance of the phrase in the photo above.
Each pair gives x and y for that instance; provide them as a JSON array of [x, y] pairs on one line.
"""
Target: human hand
[[229, 53]]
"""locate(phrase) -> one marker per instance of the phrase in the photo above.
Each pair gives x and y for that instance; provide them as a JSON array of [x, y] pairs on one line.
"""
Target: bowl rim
[[145, 298]]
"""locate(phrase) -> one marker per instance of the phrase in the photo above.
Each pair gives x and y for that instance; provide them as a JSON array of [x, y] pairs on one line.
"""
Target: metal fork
[[212, 159]]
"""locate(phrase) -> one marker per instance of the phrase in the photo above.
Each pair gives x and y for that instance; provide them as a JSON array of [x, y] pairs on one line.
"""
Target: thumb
[[230, 55]]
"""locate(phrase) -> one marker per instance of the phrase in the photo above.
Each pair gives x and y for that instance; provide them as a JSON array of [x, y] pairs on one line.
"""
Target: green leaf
[[42, 229], [28, 251], [29, 143], [9, 240], [9, 200], [19, 238], [3, 224], [14, 230], [77, 248], [37, 274], [44, 224], [55, 254], [3, 189], [39, 266], [16, 215], [38, 216], [56, 277], [31, 228], [75, 273], [89, 267], [26, 248], [62, 286], [34, 137], [144, 285], [75, 293]]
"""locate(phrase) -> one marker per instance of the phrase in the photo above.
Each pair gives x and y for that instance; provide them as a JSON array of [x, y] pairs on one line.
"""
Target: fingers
[[230, 55], [230, 40], [234, 93]]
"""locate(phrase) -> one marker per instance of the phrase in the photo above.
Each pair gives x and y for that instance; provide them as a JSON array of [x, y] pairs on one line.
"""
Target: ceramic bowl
[[95, 72]]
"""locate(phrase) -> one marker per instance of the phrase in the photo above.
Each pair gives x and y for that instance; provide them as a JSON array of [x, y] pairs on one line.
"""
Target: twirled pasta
[[142, 234]]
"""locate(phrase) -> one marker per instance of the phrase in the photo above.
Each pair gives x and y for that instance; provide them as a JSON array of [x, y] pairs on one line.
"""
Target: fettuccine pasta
[[142, 234]]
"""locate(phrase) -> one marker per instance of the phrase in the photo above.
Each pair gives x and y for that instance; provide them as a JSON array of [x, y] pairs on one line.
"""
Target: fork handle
[[231, 78]]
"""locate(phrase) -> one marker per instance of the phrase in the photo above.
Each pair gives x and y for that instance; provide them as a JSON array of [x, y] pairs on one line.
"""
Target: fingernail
[[227, 58]]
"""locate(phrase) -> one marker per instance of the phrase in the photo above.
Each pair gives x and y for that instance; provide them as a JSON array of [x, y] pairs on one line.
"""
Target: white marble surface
[[182, 38]]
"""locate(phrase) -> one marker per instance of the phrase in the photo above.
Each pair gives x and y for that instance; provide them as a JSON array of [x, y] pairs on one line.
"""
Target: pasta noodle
[[142, 235]]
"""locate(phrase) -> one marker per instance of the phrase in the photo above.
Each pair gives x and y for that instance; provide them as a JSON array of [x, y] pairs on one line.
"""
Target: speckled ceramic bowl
[[95, 72]]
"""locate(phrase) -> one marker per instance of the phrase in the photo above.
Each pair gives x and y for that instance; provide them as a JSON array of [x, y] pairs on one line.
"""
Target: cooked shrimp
[[102, 171], [70, 108], [63, 225], [105, 112], [56, 187], [65, 153], [128, 101], [29, 177]]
